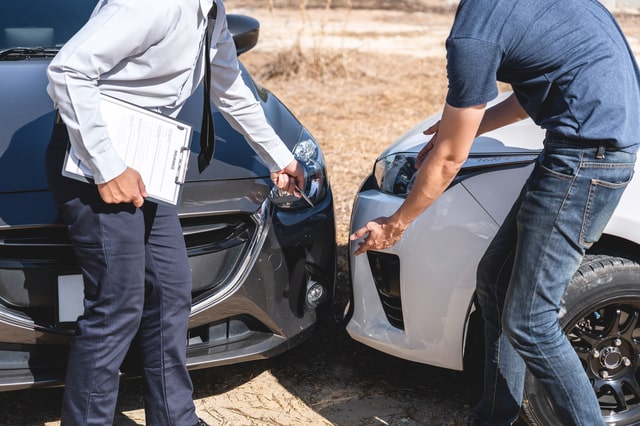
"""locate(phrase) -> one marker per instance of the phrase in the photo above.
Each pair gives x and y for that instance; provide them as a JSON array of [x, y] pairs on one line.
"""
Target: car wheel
[[601, 319]]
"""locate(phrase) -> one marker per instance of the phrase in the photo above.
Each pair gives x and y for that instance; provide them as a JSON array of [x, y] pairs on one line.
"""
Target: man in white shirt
[[135, 268]]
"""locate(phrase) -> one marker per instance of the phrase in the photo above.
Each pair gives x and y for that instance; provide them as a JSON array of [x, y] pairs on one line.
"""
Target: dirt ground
[[357, 77]]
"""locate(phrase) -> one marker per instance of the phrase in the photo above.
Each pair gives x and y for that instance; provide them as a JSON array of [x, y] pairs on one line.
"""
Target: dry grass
[[313, 65]]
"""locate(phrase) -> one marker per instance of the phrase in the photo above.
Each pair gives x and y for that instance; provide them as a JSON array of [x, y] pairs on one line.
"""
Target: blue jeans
[[562, 210]]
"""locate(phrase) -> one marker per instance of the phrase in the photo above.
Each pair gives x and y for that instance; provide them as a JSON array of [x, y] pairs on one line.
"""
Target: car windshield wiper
[[22, 53]]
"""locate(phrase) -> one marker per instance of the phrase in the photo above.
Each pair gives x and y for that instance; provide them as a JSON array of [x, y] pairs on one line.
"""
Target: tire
[[602, 320]]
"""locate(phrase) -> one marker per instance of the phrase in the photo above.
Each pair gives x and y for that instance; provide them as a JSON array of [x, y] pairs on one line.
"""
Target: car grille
[[385, 268], [216, 247], [31, 259]]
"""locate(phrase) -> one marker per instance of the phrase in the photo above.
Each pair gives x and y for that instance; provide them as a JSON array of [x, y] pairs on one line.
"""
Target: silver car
[[416, 300]]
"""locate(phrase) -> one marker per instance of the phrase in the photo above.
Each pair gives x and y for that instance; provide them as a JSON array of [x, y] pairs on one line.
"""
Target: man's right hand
[[289, 178], [127, 187]]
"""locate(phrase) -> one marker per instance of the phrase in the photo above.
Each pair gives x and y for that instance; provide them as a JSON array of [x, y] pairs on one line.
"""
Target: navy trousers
[[137, 282]]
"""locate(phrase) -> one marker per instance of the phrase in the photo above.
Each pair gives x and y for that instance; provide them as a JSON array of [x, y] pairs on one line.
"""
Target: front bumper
[[251, 273], [411, 300]]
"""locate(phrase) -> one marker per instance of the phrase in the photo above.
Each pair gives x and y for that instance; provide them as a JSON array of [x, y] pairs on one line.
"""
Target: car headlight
[[308, 154], [396, 173]]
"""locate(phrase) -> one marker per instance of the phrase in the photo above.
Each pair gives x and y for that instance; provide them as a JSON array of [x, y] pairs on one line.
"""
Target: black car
[[264, 262]]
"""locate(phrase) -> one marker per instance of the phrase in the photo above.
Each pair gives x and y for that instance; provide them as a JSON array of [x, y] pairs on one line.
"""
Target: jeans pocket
[[601, 203]]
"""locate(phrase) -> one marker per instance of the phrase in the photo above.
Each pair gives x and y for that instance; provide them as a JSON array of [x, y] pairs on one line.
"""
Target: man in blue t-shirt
[[573, 73]]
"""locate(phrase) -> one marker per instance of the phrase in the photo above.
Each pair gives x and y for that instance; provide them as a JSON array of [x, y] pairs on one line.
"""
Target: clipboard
[[154, 145]]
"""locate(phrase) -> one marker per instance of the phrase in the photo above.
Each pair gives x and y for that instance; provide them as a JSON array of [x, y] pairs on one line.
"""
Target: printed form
[[153, 144]]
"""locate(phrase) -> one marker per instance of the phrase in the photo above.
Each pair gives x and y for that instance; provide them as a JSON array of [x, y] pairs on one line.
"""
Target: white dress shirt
[[150, 53]]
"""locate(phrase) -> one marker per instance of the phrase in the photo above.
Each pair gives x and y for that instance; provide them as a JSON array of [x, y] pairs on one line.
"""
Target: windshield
[[41, 23]]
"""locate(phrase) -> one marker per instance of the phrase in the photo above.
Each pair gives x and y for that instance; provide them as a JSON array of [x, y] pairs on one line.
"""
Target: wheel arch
[[614, 245]]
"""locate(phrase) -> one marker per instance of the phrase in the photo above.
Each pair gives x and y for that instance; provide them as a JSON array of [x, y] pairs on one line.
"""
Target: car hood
[[26, 119], [523, 136], [27, 116]]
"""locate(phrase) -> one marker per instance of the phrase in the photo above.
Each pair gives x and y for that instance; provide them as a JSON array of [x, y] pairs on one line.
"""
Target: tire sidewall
[[601, 281], [614, 285]]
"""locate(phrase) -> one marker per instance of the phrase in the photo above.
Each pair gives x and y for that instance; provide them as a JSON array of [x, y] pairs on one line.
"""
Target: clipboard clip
[[183, 165]]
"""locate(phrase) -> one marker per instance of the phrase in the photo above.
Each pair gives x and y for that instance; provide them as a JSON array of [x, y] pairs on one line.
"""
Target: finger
[[143, 189], [138, 201], [296, 172], [291, 187], [283, 181], [299, 179], [361, 249], [359, 233], [432, 129]]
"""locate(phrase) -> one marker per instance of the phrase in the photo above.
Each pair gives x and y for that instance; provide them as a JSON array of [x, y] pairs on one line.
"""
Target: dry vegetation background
[[358, 74]]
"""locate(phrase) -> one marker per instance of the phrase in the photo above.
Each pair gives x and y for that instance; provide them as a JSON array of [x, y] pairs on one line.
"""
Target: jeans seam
[[585, 216], [500, 313]]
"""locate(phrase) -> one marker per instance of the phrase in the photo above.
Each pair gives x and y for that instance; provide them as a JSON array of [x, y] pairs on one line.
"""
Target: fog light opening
[[315, 294]]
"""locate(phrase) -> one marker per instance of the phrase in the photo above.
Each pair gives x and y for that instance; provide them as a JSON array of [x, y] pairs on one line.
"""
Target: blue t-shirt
[[567, 61]]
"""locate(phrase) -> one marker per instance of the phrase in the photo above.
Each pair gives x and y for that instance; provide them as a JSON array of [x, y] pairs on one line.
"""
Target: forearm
[[450, 149], [506, 112], [432, 180], [456, 133]]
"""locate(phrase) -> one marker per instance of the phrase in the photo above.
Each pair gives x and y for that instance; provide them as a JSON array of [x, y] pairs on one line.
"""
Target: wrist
[[398, 223]]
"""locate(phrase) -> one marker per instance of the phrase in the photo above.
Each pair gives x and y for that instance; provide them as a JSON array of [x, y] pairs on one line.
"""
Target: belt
[[600, 144], [579, 142]]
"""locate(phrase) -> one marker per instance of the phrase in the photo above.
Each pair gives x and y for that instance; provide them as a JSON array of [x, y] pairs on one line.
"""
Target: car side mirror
[[245, 31]]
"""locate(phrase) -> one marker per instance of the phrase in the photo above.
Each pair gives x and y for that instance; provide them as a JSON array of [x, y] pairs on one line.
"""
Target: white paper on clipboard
[[153, 144]]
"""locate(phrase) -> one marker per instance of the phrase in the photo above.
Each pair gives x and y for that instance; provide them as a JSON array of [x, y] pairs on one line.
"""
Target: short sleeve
[[472, 67]]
